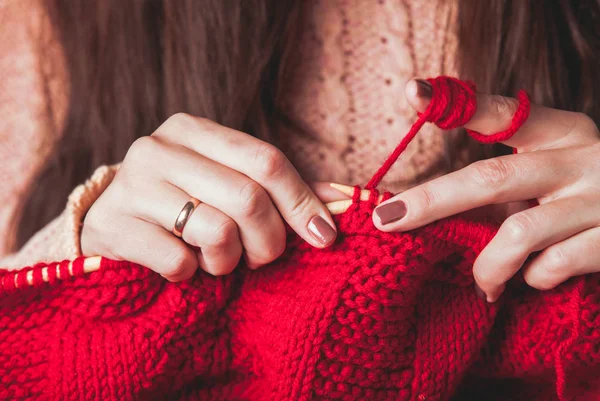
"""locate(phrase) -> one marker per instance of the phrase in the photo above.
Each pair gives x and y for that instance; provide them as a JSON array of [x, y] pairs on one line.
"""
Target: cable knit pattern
[[348, 93], [378, 316]]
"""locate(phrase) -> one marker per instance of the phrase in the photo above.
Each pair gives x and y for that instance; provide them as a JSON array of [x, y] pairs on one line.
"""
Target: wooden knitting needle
[[339, 207], [92, 264]]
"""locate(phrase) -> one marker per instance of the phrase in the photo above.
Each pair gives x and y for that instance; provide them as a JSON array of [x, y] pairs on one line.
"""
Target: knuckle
[[270, 161], [176, 263], [503, 107], [301, 205], [273, 251], [181, 120], [428, 198], [555, 262], [143, 149], [491, 173], [253, 199], [517, 229], [224, 235]]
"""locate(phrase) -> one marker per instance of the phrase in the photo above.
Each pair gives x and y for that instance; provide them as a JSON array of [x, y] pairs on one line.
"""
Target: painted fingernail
[[480, 292], [423, 88], [321, 231], [391, 212]]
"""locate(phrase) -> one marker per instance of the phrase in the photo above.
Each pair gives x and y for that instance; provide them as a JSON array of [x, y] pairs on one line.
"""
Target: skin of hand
[[247, 190], [558, 163]]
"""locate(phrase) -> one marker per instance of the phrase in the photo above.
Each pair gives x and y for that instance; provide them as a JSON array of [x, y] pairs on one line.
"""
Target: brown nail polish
[[480, 292], [321, 230], [391, 212], [423, 88]]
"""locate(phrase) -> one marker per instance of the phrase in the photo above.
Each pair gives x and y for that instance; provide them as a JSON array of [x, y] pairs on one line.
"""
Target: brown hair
[[132, 63]]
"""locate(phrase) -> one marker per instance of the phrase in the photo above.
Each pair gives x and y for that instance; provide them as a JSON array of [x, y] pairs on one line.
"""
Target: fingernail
[[391, 212], [321, 231], [480, 292], [423, 88]]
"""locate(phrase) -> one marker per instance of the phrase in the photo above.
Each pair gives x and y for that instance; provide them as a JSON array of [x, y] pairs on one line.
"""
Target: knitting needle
[[365, 194], [339, 207], [92, 264]]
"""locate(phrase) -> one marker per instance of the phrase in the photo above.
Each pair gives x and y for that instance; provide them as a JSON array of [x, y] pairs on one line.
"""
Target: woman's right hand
[[247, 188]]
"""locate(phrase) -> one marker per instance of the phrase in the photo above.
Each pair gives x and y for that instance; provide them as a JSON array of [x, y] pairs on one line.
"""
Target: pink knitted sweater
[[348, 95]]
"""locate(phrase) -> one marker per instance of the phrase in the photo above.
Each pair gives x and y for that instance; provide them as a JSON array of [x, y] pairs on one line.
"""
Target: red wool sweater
[[378, 316]]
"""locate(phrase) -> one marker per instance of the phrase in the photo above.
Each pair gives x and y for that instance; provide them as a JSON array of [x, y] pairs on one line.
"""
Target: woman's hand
[[247, 189], [558, 164]]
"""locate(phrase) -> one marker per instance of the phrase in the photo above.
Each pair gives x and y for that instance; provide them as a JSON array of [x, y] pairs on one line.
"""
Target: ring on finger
[[184, 216]]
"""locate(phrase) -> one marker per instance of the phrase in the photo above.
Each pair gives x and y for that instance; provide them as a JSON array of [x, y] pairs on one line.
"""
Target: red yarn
[[453, 104], [377, 316], [518, 119]]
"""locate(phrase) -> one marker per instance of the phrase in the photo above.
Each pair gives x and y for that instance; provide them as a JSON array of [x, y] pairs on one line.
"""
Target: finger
[[259, 224], [527, 232], [545, 127], [217, 237], [502, 179], [572, 257], [215, 233], [150, 245], [264, 164]]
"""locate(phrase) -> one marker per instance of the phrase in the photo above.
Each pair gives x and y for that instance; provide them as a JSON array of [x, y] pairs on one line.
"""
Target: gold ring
[[184, 216]]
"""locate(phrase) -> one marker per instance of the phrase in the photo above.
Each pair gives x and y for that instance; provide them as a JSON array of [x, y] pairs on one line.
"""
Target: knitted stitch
[[377, 316]]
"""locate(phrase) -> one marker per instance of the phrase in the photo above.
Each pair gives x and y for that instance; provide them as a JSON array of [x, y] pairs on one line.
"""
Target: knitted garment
[[377, 316]]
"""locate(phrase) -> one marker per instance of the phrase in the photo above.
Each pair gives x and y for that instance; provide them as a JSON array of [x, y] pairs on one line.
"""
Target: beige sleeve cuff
[[60, 239]]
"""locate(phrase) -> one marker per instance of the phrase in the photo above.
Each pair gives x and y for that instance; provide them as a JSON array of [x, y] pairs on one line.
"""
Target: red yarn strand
[[518, 120], [453, 104], [389, 162]]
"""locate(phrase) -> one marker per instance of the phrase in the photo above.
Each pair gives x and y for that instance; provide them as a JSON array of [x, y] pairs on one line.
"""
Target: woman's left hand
[[558, 164]]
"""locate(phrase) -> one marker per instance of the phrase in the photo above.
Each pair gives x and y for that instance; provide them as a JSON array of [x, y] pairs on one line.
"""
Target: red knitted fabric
[[377, 316]]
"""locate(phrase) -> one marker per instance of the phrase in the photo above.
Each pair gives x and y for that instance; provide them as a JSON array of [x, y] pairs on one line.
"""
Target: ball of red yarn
[[377, 316], [453, 102]]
